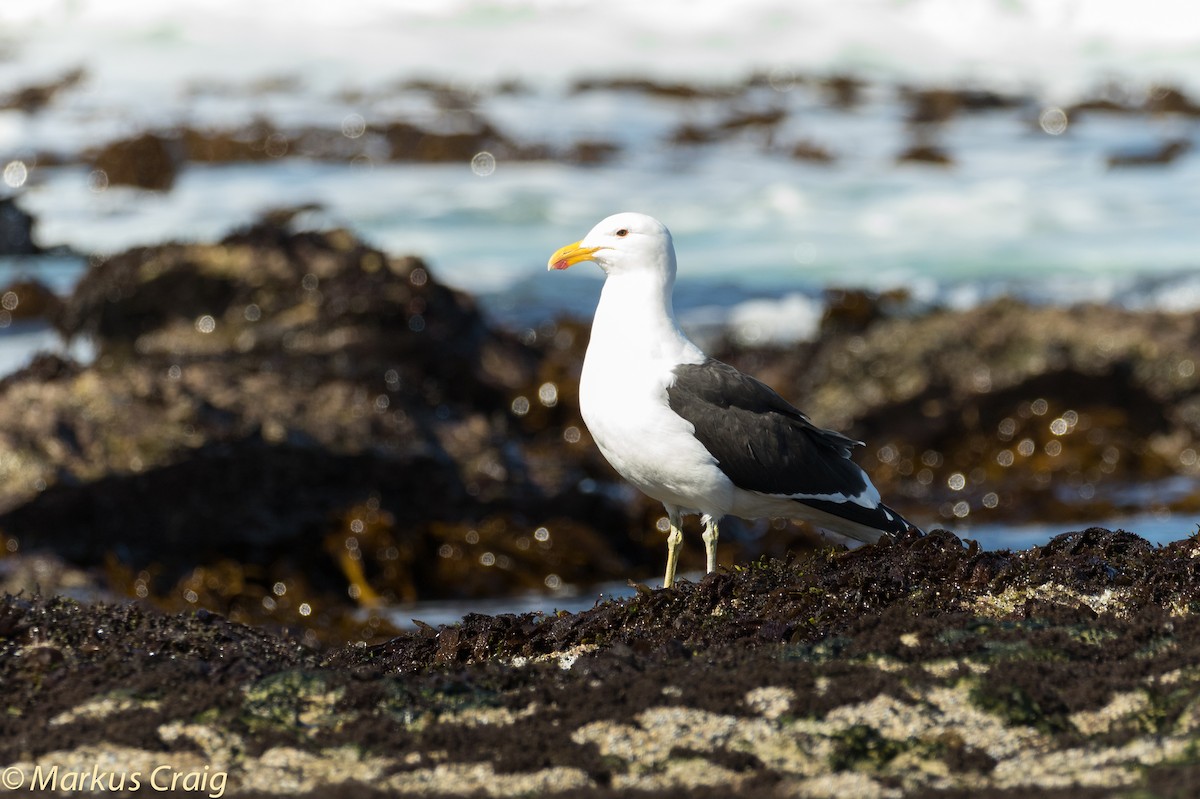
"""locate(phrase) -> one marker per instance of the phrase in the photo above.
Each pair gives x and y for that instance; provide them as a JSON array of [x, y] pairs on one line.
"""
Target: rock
[[146, 161], [939, 105], [925, 153], [734, 123], [591, 152], [843, 91], [300, 410], [409, 142], [1007, 411], [1165, 153], [811, 152], [918, 668], [34, 98], [16, 229], [1171, 100], [855, 310], [28, 299], [662, 90], [260, 141]]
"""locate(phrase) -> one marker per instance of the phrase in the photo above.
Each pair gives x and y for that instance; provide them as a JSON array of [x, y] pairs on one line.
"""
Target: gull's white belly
[[653, 448]]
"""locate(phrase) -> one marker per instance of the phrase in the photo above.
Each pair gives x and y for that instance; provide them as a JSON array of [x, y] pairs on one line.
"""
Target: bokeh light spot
[[782, 79], [353, 126], [1053, 121], [483, 164], [15, 174], [276, 145]]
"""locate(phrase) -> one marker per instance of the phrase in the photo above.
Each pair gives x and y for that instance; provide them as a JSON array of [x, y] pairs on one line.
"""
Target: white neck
[[635, 323]]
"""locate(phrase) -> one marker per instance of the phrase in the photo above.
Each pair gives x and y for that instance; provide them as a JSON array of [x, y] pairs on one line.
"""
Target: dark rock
[[897, 672], [1026, 410], [926, 153], [16, 229], [854, 310], [1166, 153], [1171, 100], [298, 409], [664, 90], [811, 152], [29, 299], [1103, 105], [940, 105], [147, 161], [591, 153], [256, 142], [843, 91], [34, 98], [737, 122], [409, 142]]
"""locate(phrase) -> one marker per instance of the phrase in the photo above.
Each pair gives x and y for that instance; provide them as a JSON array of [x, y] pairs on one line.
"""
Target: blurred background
[[308, 367]]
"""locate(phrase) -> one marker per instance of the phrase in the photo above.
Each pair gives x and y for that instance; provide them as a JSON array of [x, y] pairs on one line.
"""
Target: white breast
[[623, 400]]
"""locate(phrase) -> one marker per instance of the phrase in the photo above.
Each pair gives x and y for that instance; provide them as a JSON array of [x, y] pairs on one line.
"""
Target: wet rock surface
[[452, 124], [923, 667], [16, 229], [1008, 411], [294, 429], [284, 426]]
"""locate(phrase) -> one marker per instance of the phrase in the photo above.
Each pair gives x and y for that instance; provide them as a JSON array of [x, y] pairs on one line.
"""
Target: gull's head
[[622, 243]]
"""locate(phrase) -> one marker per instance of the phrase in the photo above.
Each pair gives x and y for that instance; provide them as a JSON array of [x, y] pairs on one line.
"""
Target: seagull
[[692, 432]]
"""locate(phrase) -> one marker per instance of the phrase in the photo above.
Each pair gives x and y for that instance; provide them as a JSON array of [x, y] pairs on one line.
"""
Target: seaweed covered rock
[[286, 423], [146, 161], [922, 668], [16, 229], [1009, 410]]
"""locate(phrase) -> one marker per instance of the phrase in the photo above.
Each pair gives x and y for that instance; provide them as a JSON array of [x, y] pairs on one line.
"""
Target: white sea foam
[[1020, 212]]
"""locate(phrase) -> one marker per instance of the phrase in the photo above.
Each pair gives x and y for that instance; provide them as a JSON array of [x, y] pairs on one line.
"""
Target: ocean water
[[1026, 209], [1021, 211]]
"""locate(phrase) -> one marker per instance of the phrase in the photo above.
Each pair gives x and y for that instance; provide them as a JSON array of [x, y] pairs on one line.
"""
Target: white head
[[623, 243]]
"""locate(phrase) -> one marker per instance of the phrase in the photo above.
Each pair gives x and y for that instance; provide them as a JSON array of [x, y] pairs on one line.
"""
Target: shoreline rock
[[920, 668], [295, 429]]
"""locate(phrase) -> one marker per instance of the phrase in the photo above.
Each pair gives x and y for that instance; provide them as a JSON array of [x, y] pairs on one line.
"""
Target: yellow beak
[[570, 255]]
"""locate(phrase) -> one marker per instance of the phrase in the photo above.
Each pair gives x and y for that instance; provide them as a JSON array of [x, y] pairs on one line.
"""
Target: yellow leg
[[673, 540], [711, 533]]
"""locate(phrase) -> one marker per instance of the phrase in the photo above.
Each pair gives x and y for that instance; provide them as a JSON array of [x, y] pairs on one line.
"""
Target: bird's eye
[[622, 232]]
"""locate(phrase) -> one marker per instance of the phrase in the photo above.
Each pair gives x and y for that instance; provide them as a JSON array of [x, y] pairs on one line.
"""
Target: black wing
[[765, 444]]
